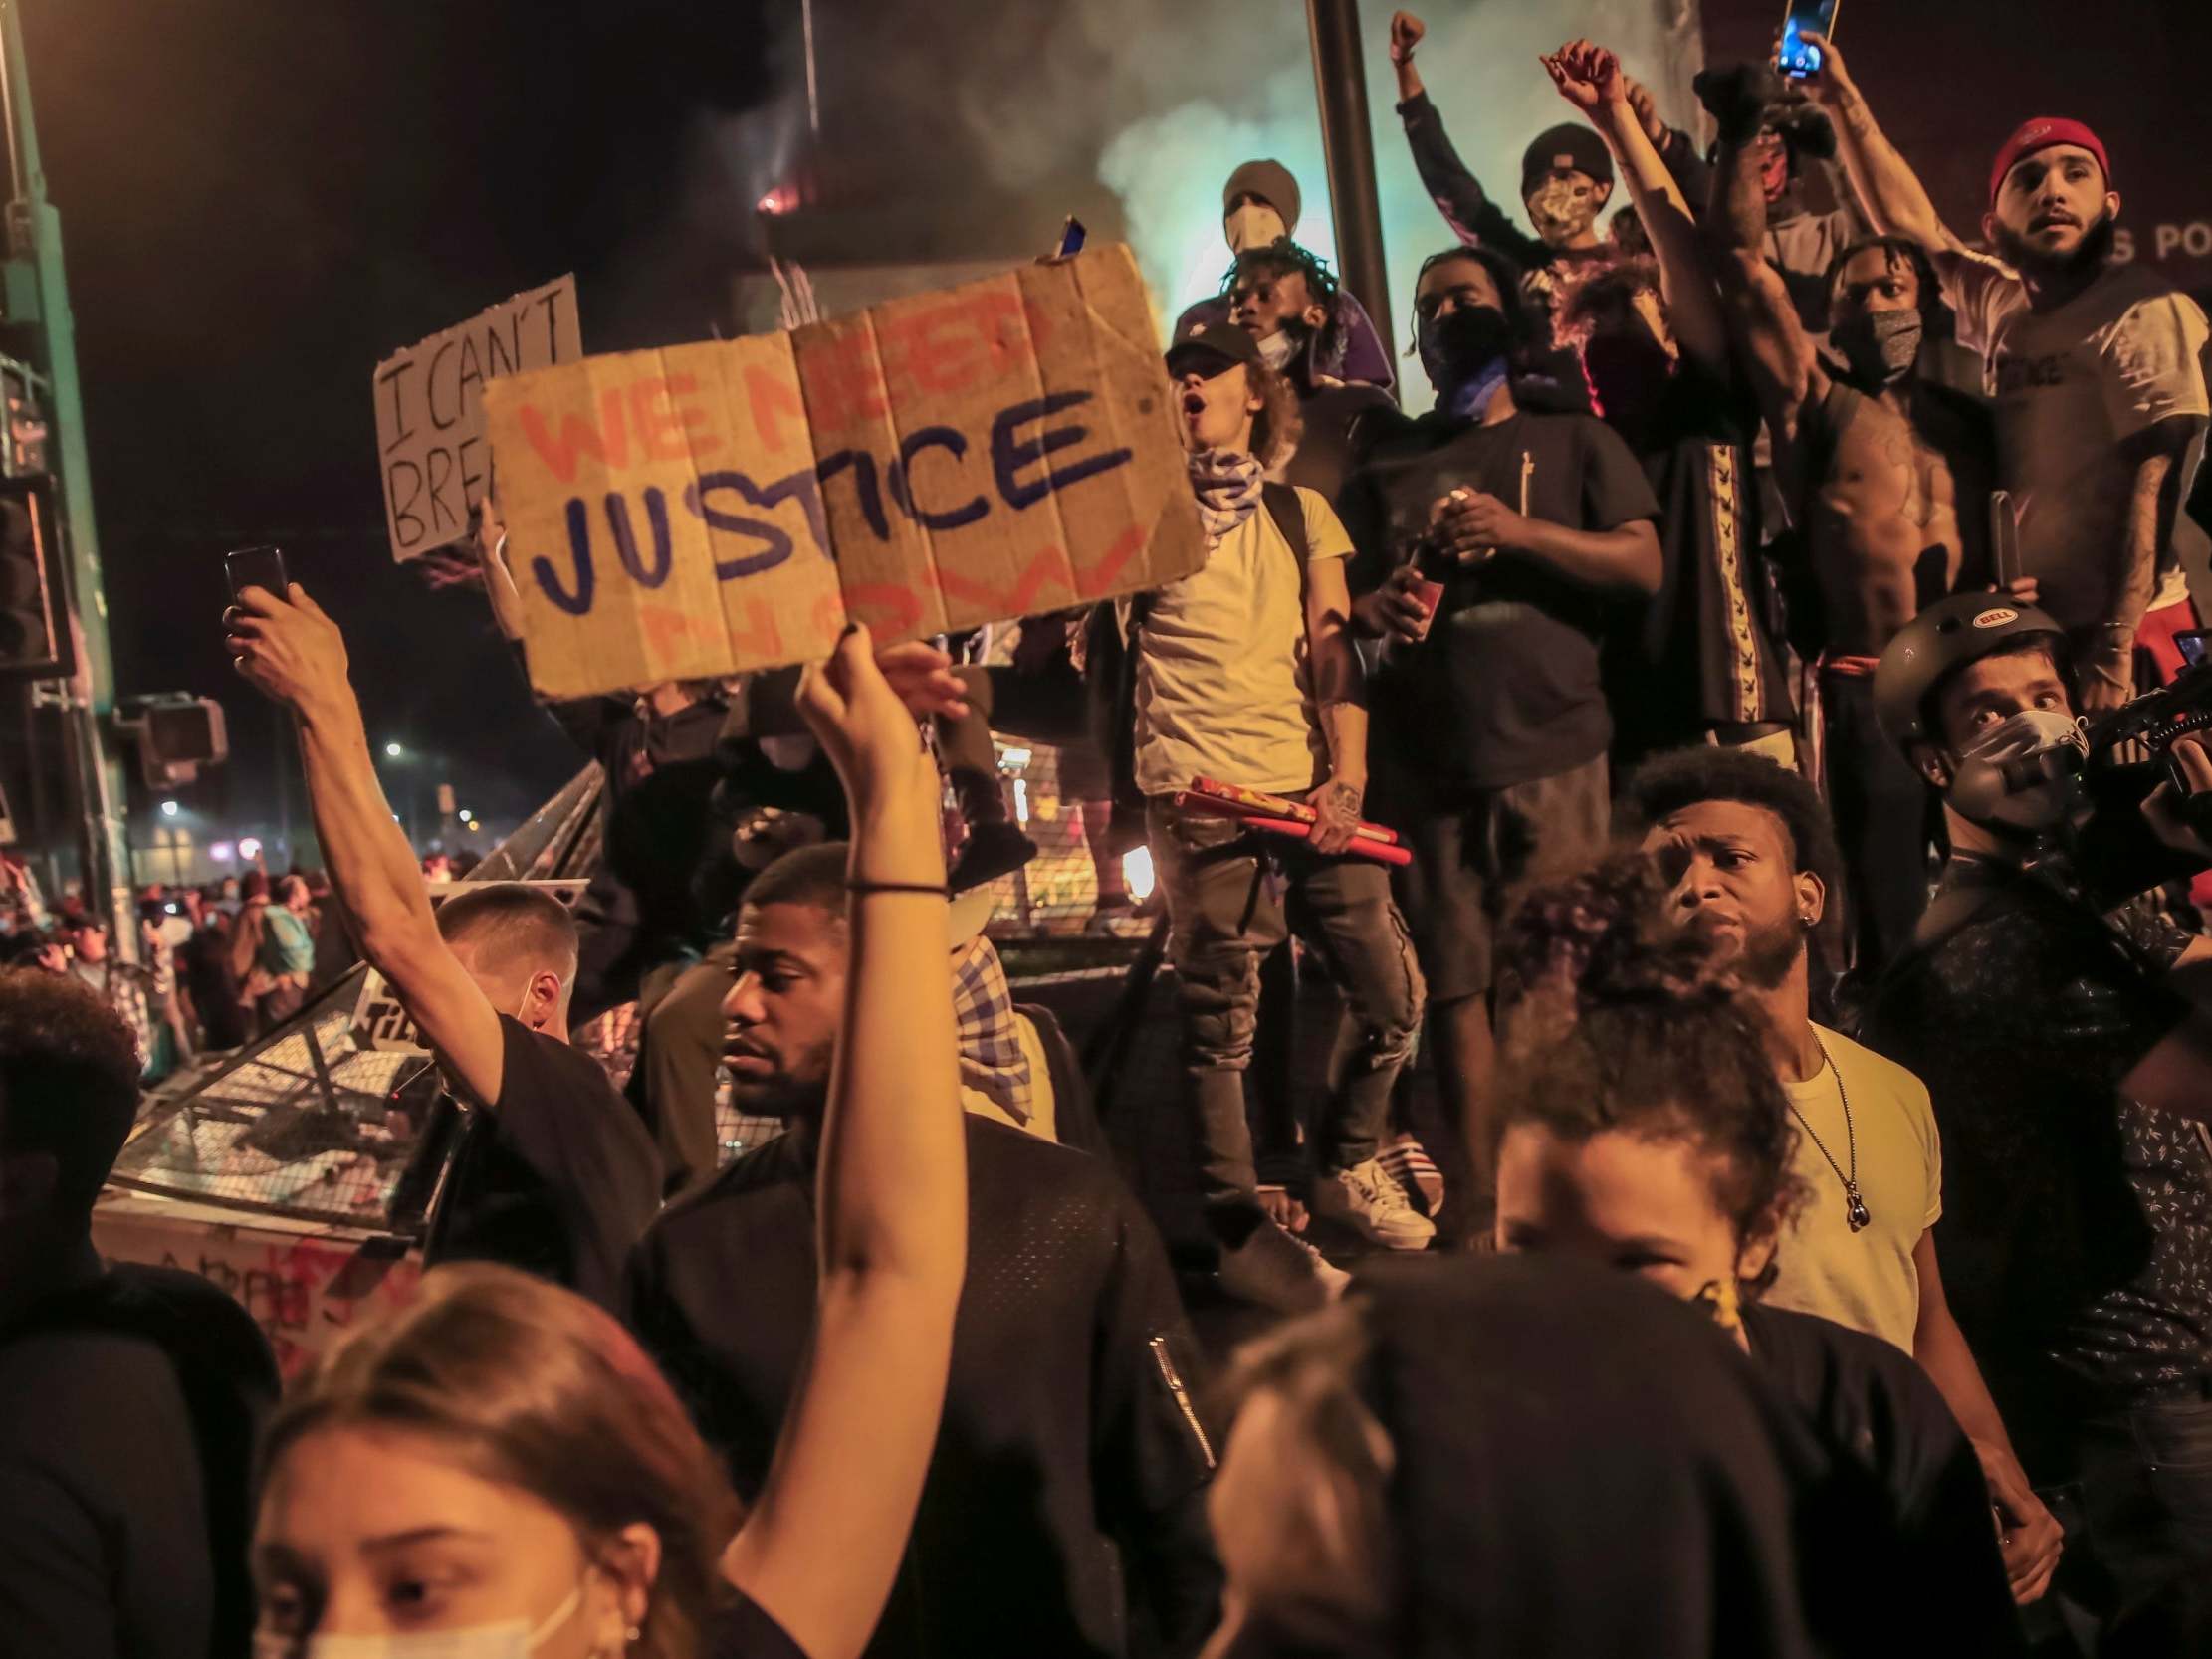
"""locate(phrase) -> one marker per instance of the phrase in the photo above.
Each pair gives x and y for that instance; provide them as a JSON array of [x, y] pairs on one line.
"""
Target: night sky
[[259, 201]]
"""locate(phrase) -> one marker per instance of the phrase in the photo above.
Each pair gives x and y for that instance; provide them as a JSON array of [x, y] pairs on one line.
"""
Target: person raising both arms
[[500, 1465], [1885, 476], [2095, 366]]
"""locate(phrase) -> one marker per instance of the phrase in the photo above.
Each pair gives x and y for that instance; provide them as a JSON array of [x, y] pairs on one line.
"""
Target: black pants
[[1881, 808], [1228, 899]]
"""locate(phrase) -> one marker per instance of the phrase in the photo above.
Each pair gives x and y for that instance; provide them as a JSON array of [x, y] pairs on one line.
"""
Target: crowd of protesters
[[1687, 724]]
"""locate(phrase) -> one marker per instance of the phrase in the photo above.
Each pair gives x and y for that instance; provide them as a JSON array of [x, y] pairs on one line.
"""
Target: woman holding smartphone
[[500, 1471]]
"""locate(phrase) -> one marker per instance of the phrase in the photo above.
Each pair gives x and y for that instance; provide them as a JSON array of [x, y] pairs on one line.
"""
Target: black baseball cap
[[1213, 349]]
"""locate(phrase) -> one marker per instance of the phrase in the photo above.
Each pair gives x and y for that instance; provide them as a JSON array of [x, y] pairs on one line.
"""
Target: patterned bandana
[[1227, 482], [990, 1059]]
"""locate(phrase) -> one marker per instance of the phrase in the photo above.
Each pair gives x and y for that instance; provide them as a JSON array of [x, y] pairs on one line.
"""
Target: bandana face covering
[[1254, 225], [1227, 482], [1562, 209]]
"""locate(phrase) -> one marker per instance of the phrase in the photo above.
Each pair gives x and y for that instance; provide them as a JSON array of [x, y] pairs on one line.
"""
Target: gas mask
[[2022, 775], [1879, 346], [1562, 209], [1254, 225], [1457, 346]]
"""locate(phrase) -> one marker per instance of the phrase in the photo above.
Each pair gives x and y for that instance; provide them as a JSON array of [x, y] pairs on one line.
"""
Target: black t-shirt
[[559, 1178], [2077, 1230], [1871, 1402], [1708, 650], [1339, 425], [744, 1630], [1506, 687]]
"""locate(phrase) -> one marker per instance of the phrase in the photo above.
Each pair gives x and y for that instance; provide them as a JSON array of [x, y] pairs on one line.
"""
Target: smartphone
[[1071, 238], [2191, 646], [1796, 59], [260, 567]]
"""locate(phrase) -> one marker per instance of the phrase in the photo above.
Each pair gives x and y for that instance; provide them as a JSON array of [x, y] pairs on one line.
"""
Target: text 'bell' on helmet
[[1947, 635]]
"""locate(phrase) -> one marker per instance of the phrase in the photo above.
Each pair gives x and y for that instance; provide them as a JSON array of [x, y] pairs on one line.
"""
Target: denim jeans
[[1230, 899], [2138, 1516]]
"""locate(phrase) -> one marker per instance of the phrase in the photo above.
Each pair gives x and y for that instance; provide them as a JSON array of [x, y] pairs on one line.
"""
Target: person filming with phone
[[2067, 1047]]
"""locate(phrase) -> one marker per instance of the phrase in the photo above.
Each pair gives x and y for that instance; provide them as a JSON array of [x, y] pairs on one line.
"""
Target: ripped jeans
[[1230, 898]]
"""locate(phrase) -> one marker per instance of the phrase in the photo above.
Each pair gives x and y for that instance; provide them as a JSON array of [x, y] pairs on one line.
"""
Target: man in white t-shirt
[[1752, 860], [1245, 674], [2095, 366]]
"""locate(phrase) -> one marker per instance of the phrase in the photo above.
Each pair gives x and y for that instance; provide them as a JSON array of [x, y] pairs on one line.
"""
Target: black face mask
[[1460, 345], [1879, 346]]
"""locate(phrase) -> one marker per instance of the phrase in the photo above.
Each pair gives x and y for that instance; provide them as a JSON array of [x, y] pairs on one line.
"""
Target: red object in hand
[[1261, 803], [1361, 846]]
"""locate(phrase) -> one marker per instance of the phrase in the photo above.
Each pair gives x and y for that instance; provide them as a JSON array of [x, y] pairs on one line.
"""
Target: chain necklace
[[1854, 1207]]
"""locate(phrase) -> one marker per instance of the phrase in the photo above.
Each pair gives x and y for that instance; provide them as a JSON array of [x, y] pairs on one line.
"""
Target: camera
[[2158, 720]]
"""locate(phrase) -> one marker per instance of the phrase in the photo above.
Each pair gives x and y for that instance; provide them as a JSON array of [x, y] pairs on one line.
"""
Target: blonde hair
[[1315, 1566], [1278, 425], [534, 1388]]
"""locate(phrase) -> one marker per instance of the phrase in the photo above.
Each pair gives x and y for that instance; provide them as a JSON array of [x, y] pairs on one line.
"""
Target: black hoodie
[[130, 1404]]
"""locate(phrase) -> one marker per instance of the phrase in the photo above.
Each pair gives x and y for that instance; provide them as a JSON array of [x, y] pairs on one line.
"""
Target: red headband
[[2041, 133]]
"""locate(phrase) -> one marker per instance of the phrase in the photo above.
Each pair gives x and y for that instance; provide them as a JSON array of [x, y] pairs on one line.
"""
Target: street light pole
[[1340, 86], [36, 293]]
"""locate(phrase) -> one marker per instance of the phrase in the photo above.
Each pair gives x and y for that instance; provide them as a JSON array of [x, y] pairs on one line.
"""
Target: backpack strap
[[1289, 515]]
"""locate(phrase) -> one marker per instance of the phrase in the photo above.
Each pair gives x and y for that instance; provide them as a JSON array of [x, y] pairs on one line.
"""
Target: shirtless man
[[1886, 478]]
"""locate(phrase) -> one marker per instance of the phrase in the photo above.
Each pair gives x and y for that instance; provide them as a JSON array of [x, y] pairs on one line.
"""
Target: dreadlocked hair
[[1286, 257], [1612, 1021]]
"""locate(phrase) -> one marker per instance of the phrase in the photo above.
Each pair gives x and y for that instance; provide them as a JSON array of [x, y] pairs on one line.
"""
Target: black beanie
[[1566, 146]]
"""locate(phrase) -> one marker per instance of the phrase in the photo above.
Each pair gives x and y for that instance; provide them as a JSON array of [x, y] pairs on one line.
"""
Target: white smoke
[[1168, 162]]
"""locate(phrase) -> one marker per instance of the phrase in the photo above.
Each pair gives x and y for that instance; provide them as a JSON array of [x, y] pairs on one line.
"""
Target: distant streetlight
[[248, 848], [168, 809], [392, 751]]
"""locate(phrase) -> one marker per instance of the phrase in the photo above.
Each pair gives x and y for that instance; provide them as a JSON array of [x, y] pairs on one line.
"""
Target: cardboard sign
[[430, 410], [990, 450]]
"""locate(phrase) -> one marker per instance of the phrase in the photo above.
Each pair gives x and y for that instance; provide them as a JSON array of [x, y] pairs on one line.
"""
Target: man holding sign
[[1245, 674]]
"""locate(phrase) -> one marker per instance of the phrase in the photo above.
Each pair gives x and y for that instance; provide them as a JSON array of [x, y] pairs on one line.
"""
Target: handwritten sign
[[430, 410], [993, 450]]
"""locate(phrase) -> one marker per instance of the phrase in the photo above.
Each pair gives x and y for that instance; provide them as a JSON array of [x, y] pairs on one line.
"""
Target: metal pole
[[34, 231], [1340, 83]]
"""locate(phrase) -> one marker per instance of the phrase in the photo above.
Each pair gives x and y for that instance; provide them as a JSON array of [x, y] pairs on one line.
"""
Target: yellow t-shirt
[[1223, 686], [1865, 1280]]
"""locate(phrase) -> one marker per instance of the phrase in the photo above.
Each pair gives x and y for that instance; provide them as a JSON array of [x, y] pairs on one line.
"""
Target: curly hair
[[534, 1388], [1666, 783], [1612, 1021], [68, 1078]]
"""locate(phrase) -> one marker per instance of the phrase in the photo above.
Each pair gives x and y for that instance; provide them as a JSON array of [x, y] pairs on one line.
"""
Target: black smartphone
[[1071, 238], [2191, 643], [260, 567], [1796, 59]]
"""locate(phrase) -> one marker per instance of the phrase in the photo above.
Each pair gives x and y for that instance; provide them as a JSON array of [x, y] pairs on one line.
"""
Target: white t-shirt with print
[[1867, 1280], [2072, 386], [1223, 690]]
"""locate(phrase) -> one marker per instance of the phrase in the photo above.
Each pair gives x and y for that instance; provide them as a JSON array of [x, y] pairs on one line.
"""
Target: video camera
[[2154, 722]]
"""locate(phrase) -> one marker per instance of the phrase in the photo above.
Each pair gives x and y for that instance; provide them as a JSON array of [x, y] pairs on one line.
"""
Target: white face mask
[[509, 1639], [1254, 225], [1277, 350], [2021, 775]]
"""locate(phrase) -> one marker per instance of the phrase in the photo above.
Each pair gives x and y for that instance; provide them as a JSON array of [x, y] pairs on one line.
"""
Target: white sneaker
[[1334, 1279], [1365, 1198]]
